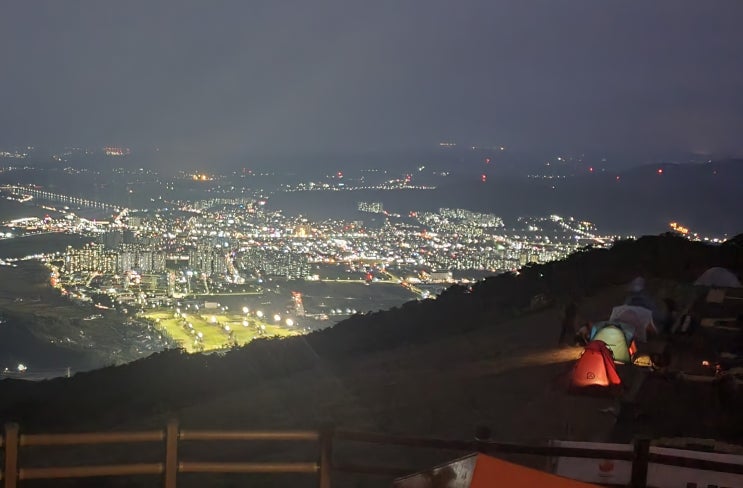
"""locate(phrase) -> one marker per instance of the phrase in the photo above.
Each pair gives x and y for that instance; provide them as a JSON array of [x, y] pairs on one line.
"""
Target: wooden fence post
[[483, 435], [326, 456], [10, 476], [640, 457], [171, 453]]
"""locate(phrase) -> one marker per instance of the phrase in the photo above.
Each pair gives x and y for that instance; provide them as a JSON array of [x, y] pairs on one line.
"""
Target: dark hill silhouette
[[170, 381]]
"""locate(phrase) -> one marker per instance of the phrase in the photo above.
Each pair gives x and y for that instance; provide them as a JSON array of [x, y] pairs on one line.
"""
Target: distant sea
[[18, 247], [10, 210], [19, 346]]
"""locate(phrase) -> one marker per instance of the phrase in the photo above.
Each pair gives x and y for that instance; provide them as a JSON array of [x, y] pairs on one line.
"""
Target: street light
[[277, 318], [259, 313], [289, 322], [246, 310]]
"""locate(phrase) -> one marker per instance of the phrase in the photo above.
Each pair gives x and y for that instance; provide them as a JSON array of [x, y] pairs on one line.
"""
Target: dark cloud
[[229, 78]]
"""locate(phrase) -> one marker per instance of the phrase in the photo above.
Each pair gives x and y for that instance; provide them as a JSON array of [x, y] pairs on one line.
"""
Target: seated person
[[583, 336]]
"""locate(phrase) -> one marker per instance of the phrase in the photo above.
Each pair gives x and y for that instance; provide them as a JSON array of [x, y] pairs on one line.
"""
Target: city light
[[234, 245], [679, 228]]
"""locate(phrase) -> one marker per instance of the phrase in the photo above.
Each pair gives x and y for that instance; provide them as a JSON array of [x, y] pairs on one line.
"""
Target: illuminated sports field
[[207, 332]]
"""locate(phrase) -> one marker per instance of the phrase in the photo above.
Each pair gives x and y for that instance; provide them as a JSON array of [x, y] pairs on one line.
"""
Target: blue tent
[[616, 341]]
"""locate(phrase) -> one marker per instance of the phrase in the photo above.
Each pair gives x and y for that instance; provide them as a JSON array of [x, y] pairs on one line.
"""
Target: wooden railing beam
[[217, 467], [59, 472], [228, 435], [91, 438]]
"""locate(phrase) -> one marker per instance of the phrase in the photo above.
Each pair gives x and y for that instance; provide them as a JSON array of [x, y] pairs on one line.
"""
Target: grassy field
[[208, 332]]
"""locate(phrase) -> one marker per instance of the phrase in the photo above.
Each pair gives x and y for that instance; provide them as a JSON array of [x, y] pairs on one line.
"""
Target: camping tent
[[615, 335], [595, 368], [718, 277], [639, 318], [481, 471], [629, 330]]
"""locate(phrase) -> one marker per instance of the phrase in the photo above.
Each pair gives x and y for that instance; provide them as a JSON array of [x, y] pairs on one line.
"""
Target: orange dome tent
[[595, 368], [481, 471]]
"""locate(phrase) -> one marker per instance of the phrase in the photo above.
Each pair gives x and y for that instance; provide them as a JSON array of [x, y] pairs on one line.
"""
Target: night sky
[[230, 78]]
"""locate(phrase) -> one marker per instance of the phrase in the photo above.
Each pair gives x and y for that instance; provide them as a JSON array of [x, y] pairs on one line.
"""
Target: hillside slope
[[440, 367]]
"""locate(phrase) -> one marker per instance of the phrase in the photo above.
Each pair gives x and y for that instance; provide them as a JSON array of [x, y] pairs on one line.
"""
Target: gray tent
[[719, 278]]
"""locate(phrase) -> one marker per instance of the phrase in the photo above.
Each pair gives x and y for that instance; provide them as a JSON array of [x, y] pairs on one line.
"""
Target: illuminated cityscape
[[235, 250], [374, 244]]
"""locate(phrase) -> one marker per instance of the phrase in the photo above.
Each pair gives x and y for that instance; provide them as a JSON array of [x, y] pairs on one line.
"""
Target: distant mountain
[[641, 200], [637, 201]]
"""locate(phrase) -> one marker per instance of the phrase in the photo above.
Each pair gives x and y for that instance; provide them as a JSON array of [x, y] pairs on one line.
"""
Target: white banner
[[617, 472]]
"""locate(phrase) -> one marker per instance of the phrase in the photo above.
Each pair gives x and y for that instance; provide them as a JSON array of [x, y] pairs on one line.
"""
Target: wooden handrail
[[91, 438], [372, 470], [485, 446], [237, 435], [704, 464], [211, 467], [387, 439], [583, 452], [89, 471]]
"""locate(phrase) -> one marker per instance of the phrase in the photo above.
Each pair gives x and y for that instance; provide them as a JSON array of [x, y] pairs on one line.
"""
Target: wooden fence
[[321, 468]]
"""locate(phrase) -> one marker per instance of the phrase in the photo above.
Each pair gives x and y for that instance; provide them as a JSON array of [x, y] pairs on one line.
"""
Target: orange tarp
[[491, 472], [481, 471]]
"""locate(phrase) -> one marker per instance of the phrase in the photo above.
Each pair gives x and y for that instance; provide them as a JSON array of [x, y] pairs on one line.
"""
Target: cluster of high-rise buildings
[[92, 257], [274, 262], [208, 259], [96, 257], [370, 207]]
